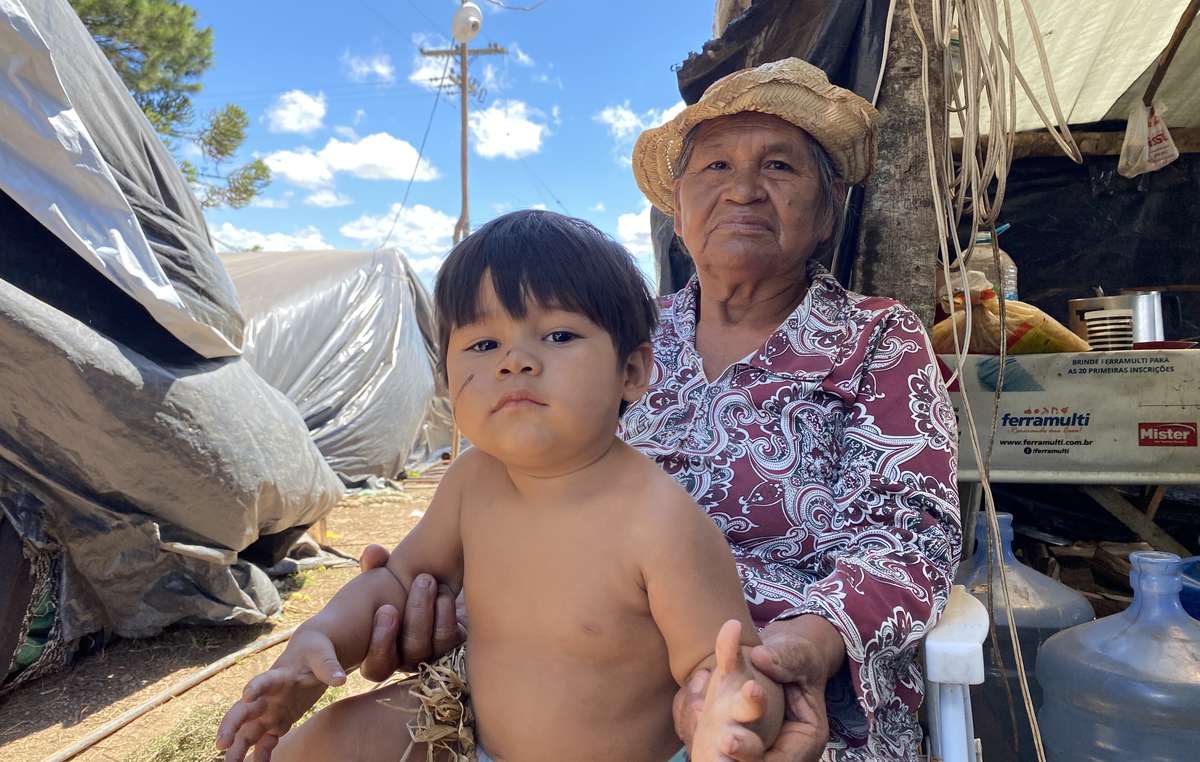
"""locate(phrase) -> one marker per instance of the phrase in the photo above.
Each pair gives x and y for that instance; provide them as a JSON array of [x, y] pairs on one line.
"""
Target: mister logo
[[1166, 435]]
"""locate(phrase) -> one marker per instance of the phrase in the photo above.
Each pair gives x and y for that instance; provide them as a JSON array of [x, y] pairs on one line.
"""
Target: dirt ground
[[52, 713]]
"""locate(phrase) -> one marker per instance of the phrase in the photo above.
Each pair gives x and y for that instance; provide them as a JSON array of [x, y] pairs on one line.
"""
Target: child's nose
[[519, 361]]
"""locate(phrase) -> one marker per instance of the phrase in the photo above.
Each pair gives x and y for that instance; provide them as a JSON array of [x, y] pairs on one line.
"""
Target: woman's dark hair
[[554, 260]]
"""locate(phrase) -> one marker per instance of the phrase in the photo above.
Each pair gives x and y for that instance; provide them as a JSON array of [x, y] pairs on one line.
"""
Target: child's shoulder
[[656, 501], [472, 468]]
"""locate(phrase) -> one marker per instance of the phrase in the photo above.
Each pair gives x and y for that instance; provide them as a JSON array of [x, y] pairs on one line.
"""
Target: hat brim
[[793, 90]]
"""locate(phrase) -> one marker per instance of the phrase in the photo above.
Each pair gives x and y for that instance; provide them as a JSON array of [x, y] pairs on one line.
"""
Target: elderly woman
[[810, 423]]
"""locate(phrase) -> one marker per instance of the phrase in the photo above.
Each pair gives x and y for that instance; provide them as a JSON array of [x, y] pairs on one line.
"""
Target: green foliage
[[160, 54]]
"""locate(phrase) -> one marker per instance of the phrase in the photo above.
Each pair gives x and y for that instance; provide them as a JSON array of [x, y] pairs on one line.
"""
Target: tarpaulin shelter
[[142, 460], [349, 338]]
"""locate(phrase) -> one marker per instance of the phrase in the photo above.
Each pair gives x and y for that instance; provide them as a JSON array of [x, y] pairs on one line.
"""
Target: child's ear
[[637, 372]]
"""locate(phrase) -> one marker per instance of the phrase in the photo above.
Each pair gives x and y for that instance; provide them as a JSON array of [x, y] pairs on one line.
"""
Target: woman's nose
[[519, 361], [745, 186]]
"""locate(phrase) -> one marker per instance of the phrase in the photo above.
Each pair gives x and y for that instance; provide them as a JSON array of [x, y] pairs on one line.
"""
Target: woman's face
[[747, 202]]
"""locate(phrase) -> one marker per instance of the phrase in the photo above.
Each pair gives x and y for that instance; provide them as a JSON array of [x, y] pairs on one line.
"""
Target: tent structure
[[143, 463], [349, 338]]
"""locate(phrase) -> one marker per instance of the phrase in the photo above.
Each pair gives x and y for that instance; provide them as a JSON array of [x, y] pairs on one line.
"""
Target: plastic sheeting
[[1101, 57], [151, 476], [78, 154], [349, 338]]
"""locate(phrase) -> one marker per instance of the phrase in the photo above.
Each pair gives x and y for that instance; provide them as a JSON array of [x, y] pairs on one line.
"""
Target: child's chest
[[564, 580]]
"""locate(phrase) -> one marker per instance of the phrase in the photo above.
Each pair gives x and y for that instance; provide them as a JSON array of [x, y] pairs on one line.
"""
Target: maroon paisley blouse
[[827, 458]]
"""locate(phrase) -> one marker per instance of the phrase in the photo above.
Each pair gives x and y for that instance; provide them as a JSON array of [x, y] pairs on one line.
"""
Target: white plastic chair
[[953, 663]]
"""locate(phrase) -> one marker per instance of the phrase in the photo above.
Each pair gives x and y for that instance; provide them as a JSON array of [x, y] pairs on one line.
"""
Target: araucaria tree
[[160, 54]]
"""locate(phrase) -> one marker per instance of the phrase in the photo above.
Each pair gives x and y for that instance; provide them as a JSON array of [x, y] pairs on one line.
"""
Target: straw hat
[[791, 89]]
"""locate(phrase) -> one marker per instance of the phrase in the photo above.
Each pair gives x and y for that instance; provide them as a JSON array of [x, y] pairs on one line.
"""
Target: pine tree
[[160, 54]]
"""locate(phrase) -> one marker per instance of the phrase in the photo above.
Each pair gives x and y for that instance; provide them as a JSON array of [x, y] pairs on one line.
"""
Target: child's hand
[[733, 701], [274, 700]]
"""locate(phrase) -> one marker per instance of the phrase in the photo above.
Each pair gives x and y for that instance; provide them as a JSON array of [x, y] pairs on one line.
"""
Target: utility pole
[[466, 26]]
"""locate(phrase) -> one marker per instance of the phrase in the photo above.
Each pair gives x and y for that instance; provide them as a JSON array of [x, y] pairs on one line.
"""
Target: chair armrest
[[954, 648]]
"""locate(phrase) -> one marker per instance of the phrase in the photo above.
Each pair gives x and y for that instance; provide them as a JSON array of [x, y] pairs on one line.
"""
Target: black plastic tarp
[[349, 338], [1076, 227]]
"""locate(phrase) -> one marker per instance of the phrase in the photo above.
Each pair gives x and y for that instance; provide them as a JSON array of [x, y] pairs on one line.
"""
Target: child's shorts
[[444, 719]]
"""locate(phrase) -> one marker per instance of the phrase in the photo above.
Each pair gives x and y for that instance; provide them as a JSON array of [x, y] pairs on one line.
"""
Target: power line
[[506, 7], [544, 186], [437, 97]]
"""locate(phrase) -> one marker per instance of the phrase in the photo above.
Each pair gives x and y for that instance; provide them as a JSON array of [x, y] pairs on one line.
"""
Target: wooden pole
[[1168, 54], [464, 221], [898, 235]]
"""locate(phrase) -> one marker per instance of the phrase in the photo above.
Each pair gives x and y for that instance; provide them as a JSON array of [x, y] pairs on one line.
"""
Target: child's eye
[[483, 345], [561, 337]]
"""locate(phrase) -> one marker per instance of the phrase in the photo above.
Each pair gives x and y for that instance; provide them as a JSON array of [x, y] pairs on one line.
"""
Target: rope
[[990, 76]]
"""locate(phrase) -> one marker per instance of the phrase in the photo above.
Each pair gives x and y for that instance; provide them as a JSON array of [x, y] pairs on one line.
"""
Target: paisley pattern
[[827, 458]]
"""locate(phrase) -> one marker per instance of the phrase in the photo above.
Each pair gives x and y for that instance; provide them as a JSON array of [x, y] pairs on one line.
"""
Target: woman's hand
[[801, 654], [431, 624]]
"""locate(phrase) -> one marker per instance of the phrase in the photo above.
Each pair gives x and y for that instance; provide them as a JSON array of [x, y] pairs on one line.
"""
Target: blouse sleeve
[[895, 534]]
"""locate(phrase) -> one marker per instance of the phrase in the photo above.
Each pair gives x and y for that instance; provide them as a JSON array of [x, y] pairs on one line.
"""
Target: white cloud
[[633, 231], [228, 237], [427, 71], [376, 68], [521, 57], [624, 124], [359, 115], [556, 115], [263, 202], [296, 111], [502, 207], [598, 207], [379, 156], [546, 79], [506, 129], [346, 132], [423, 233], [327, 199], [539, 206], [303, 166]]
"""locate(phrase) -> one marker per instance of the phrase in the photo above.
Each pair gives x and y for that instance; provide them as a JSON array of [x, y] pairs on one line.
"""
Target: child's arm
[[694, 592], [336, 638]]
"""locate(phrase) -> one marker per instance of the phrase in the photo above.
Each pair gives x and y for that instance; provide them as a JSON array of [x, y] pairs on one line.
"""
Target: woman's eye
[[777, 164], [718, 165], [561, 337], [482, 346]]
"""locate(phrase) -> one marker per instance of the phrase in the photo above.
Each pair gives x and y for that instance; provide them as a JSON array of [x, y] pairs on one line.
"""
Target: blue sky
[[339, 98]]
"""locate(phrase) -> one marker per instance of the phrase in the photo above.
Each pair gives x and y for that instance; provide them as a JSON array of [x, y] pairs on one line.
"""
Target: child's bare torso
[[564, 657]]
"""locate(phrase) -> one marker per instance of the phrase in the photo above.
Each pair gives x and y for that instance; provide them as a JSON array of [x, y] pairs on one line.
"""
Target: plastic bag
[[1029, 331], [1148, 145]]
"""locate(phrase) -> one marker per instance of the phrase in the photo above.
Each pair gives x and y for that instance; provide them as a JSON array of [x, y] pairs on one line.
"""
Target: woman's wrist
[[828, 646]]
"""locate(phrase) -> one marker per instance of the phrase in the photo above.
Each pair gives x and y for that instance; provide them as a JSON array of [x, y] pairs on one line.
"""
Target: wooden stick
[[171, 692], [1168, 54], [1128, 514], [1156, 499]]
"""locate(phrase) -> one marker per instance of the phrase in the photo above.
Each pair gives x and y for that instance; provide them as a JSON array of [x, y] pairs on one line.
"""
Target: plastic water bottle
[[1004, 279], [1126, 687], [1041, 607]]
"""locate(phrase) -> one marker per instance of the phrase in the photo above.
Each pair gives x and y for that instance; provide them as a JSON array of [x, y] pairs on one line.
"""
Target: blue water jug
[[1041, 607], [1126, 687]]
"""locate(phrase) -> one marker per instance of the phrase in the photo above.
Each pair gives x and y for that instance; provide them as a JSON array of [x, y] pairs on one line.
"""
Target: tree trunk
[[898, 236]]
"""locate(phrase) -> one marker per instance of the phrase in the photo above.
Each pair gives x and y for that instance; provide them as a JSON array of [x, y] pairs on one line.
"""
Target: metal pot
[[1146, 307]]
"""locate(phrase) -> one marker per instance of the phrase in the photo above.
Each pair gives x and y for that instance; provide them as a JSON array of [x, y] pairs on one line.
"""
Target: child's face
[[540, 392]]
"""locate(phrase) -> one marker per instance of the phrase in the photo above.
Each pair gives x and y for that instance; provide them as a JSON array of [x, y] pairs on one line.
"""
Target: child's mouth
[[517, 399]]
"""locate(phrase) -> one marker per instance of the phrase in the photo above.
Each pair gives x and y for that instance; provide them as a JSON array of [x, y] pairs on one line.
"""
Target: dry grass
[[49, 714], [193, 738]]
